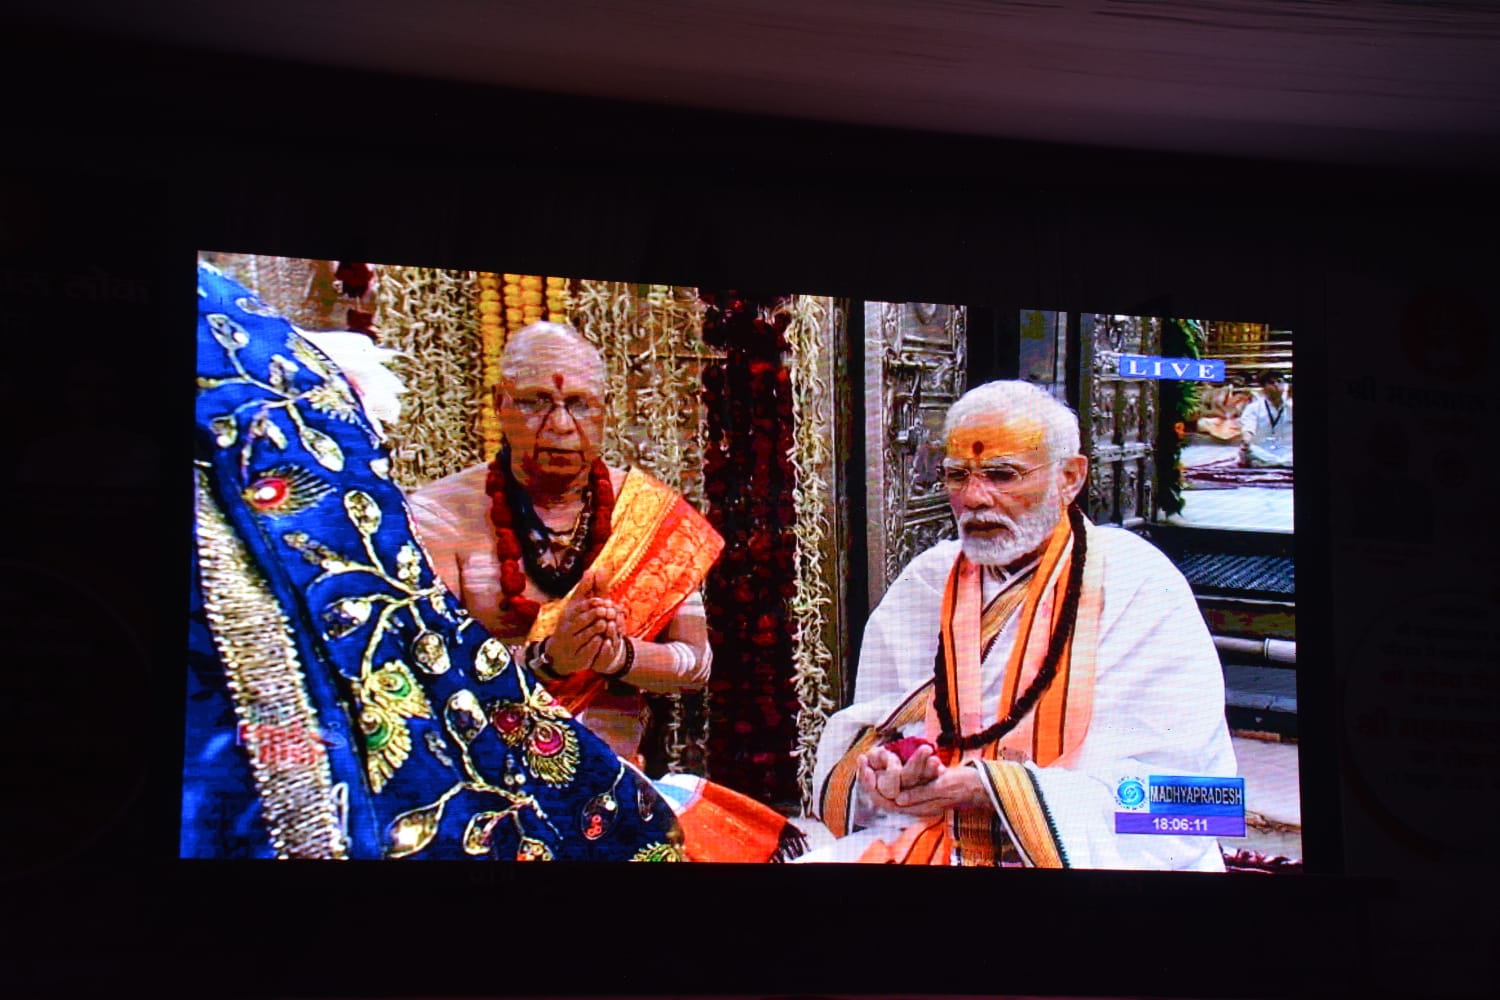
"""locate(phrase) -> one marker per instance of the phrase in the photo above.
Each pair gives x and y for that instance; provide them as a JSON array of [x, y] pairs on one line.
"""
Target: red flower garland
[[748, 484], [517, 610]]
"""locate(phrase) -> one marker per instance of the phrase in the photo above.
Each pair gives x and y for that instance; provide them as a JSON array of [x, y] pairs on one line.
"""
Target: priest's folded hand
[[588, 631]]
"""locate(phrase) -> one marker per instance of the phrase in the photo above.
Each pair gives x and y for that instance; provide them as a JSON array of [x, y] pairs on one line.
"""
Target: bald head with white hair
[[1013, 466], [537, 343], [550, 402]]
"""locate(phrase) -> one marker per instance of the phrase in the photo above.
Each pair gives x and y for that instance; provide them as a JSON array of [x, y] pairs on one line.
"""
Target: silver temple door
[[915, 362], [1117, 418]]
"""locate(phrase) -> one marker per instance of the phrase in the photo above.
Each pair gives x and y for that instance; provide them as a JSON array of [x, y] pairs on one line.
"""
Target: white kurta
[[1158, 704], [1266, 433]]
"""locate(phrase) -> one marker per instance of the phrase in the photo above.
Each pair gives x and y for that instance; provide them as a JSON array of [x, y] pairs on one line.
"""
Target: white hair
[[525, 340], [1005, 398]]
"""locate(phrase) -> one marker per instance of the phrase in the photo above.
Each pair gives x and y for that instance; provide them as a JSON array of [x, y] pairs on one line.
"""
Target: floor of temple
[[1245, 508]]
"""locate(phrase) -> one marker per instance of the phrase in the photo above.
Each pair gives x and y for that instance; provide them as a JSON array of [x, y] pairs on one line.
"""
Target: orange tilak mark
[[991, 437]]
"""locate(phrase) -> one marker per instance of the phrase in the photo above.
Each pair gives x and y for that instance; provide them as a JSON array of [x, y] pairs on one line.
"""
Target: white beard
[[1022, 536]]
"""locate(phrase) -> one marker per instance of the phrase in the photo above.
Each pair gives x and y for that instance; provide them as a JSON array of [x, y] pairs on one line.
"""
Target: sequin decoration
[[225, 432], [363, 511], [255, 307], [479, 834], [598, 816], [414, 830], [435, 747], [531, 849], [552, 753], [463, 716], [430, 653], [323, 448], [227, 332], [645, 802], [409, 568], [333, 397], [534, 726], [316, 553], [490, 660], [284, 490], [511, 722], [345, 616]]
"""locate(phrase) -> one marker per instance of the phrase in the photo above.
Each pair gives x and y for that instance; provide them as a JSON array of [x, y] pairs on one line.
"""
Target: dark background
[[124, 157]]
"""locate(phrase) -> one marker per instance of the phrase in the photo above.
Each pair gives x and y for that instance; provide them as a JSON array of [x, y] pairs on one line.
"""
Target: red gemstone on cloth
[[547, 740], [269, 493], [508, 718]]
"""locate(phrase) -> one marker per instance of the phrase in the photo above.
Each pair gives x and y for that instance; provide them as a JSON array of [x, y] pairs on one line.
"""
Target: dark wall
[[122, 160]]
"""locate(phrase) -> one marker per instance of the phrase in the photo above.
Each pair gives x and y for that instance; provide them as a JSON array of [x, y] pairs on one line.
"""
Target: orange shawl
[[659, 551], [1055, 727]]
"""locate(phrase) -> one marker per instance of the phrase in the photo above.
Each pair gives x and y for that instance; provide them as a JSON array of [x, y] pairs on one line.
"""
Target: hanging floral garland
[[812, 602], [429, 315], [749, 484]]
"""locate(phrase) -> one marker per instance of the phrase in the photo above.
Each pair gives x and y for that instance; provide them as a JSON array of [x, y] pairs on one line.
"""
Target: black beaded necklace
[[535, 537], [949, 735]]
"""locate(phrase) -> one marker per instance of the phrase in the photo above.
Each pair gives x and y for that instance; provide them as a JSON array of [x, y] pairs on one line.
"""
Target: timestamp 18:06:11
[[1180, 824]]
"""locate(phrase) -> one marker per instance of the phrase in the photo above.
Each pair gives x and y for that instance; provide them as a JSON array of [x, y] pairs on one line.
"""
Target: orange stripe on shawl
[[659, 552]]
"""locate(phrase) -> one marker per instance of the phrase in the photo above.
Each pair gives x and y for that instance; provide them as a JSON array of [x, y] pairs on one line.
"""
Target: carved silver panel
[[915, 363], [1119, 422]]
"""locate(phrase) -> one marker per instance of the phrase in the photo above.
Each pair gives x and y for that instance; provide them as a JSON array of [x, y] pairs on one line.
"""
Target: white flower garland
[[812, 435]]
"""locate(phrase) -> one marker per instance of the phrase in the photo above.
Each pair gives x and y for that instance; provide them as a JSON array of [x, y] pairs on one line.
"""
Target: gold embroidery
[[660, 852], [280, 728], [388, 697]]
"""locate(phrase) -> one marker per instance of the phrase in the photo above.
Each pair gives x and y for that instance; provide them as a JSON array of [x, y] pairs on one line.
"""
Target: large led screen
[[502, 566]]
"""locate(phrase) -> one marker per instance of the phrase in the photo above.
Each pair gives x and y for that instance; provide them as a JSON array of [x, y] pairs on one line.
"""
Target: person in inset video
[[1010, 680], [1266, 425]]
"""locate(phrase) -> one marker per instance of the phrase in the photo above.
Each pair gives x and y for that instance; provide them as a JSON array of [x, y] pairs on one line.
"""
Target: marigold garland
[[492, 343]]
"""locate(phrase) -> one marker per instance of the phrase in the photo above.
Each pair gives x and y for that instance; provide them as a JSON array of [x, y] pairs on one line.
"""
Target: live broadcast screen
[[502, 566]]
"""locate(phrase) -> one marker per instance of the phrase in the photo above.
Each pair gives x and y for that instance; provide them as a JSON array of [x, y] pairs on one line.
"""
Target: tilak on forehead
[[993, 436]]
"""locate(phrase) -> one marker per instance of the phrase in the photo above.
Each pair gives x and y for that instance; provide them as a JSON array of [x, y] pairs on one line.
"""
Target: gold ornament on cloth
[[272, 707], [388, 697]]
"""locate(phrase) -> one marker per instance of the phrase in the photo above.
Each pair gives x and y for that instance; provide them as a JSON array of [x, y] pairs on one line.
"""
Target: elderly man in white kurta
[[1010, 680]]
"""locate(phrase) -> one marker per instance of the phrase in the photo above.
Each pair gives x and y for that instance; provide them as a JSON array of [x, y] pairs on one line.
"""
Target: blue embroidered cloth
[[341, 703]]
